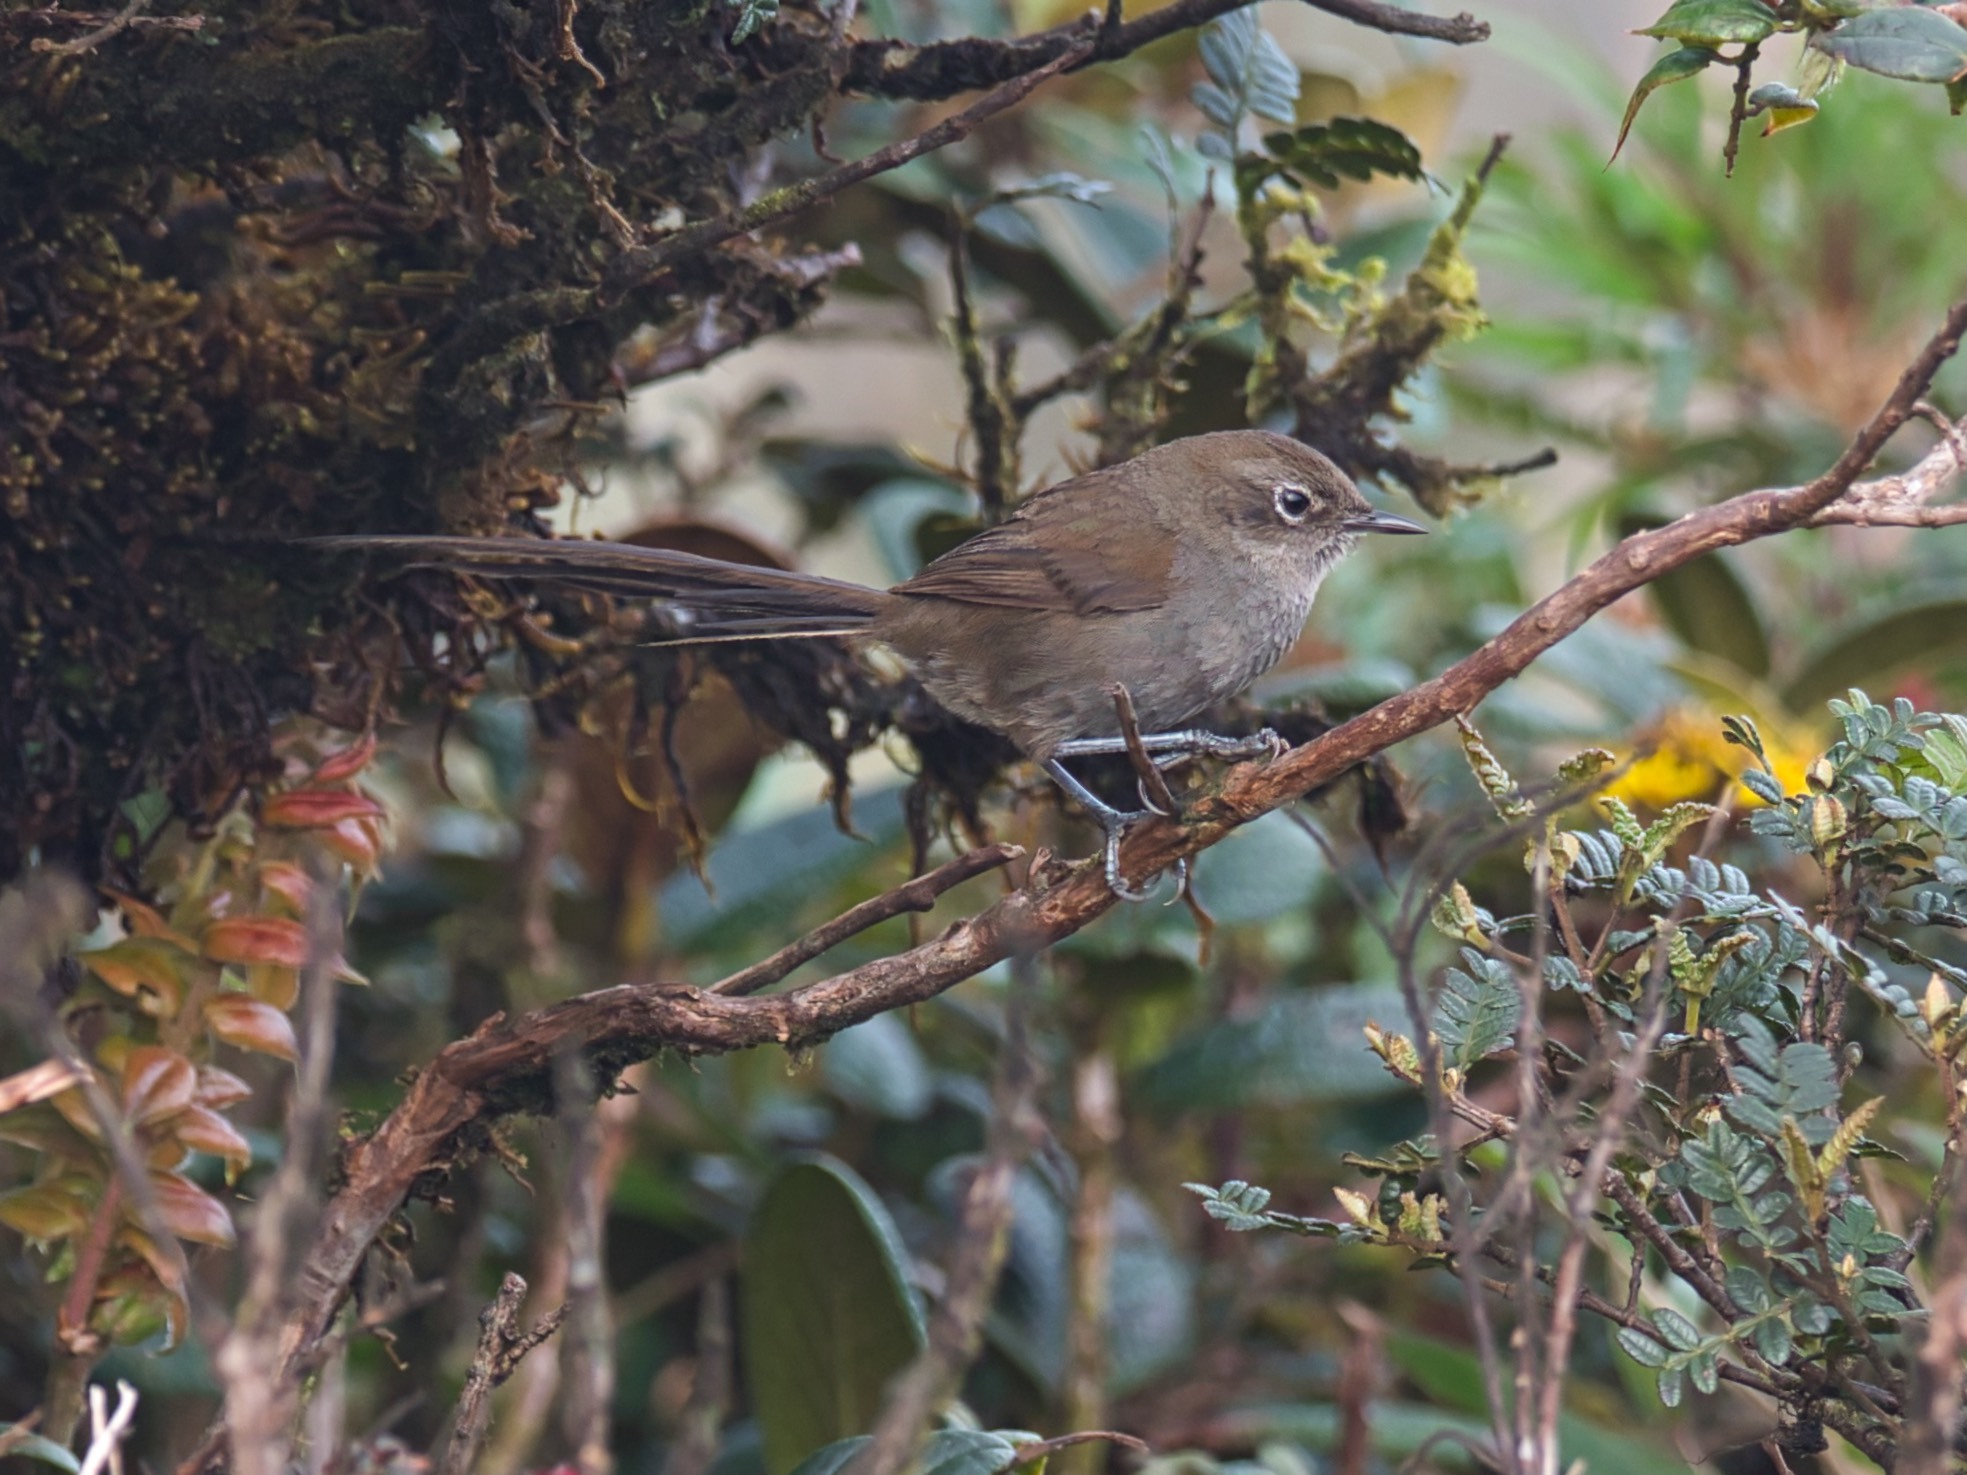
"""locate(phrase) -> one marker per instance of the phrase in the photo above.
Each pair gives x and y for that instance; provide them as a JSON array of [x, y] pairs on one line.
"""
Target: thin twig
[[941, 69], [637, 268], [916, 895], [502, 1346]]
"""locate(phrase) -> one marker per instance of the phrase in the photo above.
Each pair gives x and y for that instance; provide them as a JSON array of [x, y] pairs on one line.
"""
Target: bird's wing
[[1058, 553]]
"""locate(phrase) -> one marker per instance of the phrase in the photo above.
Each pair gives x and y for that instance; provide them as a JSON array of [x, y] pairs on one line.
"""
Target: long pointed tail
[[725, 601]]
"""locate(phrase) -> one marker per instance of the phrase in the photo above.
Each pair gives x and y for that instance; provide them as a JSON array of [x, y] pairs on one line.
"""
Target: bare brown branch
[[944, 68]]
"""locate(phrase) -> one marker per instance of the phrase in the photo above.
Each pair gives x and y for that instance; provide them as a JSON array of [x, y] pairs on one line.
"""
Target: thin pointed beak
[[1381, 522]]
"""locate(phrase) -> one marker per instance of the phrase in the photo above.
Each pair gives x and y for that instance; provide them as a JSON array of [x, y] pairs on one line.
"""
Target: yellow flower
[[1684, 756]]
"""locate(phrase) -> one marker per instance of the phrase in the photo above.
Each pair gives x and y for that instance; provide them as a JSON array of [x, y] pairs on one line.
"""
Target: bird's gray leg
[[1113, 822], [1185, 743]]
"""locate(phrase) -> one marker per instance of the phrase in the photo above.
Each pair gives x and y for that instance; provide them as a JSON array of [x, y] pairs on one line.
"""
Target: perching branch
[[507, 1065], [944, 68]]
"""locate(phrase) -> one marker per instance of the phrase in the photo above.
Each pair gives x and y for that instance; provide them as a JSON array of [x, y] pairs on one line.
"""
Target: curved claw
[[1115, 881], [1147, 801], [1182, 877]]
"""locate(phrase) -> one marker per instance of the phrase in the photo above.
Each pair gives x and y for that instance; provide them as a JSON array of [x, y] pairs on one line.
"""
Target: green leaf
[[1641, 1348], [1680, 1333], [751, 15], [1922, 637], [1709, 608], [1909, 42], [1355, 148], [1248, 73], [827, 1315], [1675, 66], [1477, 1013], [1714, 22], [38, 1447]]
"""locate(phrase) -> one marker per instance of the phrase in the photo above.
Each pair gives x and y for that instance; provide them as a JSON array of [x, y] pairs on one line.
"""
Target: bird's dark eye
[[1293, 503]]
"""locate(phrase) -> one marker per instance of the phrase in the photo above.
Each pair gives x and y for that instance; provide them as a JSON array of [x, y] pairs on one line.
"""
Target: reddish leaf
[[202, 1128], [156, 1083], [145, 920], [313, 809], [189, 1212], [356, 841], [288, 883], [218, 1087], [240, 1019], [151, 970], [280, 941], [348, 762]]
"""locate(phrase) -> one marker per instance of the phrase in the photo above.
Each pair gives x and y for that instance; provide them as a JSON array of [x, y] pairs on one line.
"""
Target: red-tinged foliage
[[157, 1083], [313, 809], [338, 767], [279, 941], [239, 1019]]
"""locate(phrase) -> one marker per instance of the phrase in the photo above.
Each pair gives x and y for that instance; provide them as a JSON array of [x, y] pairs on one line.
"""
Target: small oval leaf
[[189, 1212], [157, 1083], [316, 809], [251, 1025], [279, 941]]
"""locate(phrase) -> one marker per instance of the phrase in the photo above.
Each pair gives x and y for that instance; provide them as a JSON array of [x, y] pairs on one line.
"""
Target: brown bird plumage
[[1183, 574]]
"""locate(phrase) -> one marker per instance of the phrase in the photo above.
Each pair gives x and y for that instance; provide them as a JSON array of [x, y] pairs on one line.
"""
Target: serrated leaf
[[1478, 1010], [1714, 23], [827, 1316], [1909, 42], [1248, 73], [1349, 148], [1489, 772]]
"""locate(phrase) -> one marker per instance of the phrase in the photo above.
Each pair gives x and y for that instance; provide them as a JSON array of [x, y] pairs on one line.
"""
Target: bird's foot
[[1114, 824], [1189, 742]]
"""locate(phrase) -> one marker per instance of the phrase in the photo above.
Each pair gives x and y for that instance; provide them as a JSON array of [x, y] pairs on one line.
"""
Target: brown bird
[[1183, 575]]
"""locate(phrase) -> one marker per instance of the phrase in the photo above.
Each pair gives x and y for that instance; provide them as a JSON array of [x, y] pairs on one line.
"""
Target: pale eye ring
[[1293, 503]]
